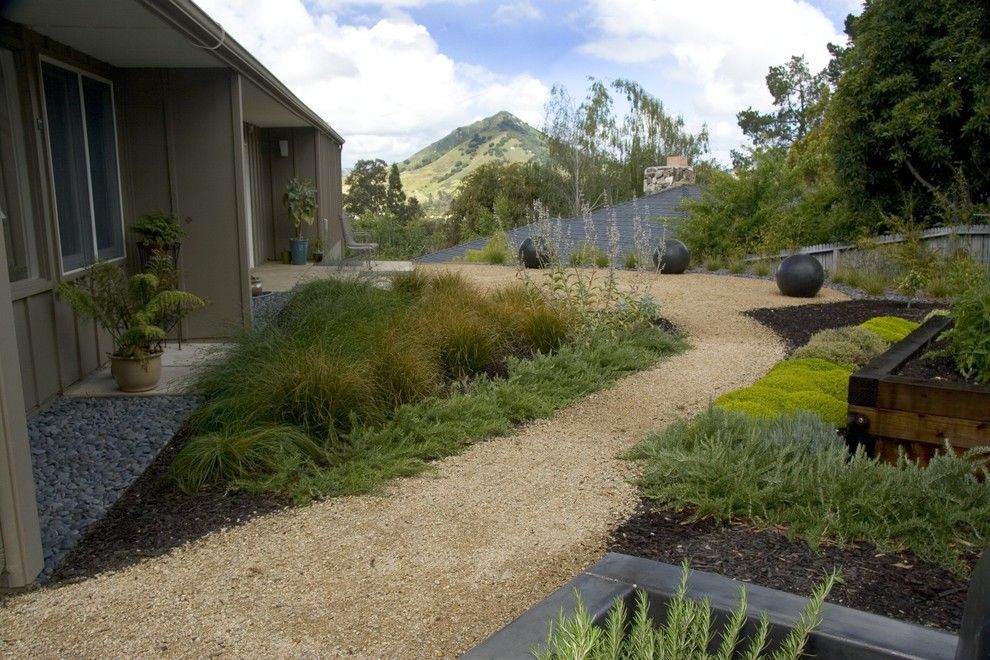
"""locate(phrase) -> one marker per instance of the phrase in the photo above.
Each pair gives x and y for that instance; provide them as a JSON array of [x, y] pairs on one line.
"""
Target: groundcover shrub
[[816, 377], [795, 472], [889, 328], [969, 338], [687, 631], [851, 347], [356, 384]]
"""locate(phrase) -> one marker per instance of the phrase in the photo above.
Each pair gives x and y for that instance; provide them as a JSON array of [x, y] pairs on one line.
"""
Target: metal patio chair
[[365, 248]]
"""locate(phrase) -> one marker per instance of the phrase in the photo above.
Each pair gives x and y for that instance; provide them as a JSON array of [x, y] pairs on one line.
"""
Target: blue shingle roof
[[573, 231]]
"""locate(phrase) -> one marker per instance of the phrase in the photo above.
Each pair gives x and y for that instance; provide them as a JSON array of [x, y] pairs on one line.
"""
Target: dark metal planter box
[[888, 412], [843, 632]]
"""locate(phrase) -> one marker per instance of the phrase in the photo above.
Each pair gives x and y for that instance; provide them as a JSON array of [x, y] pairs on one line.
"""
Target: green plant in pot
[[158, 232], [300, 200], [318, 250], [137, 312]]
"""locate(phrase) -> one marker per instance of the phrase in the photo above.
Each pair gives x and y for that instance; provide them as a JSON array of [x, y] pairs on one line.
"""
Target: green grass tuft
[[495, 251], [795, 472]]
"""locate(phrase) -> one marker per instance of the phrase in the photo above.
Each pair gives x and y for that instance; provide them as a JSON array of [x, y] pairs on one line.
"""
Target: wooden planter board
[[888, 413]]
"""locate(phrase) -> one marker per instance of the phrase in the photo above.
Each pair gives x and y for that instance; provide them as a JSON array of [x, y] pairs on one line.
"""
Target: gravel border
[[86, 452], [266, 307]]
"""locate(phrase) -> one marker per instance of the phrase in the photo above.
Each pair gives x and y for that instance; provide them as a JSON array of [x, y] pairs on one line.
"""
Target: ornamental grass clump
[[495, 251], [382, 381], [687, 629], [795, 473]]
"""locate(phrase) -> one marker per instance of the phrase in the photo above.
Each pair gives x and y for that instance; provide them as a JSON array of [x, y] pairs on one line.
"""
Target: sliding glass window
[[83, 145]]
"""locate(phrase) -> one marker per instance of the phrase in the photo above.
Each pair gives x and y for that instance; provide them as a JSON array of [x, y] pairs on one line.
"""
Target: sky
[[392, 76]]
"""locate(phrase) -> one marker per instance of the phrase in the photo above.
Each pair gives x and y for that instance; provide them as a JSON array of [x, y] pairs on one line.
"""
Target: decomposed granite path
[[439, 561]]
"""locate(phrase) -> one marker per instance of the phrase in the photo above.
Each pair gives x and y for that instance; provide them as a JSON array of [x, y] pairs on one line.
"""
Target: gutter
[[200, 27]]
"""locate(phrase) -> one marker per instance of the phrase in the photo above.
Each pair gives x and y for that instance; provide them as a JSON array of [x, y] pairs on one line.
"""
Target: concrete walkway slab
[[285, 277], [177, 368]]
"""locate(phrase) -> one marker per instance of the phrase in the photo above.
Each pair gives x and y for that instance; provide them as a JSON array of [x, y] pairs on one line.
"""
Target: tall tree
[[395, 197], [604, 154], [798, 97], [911, 113], [367, 191]]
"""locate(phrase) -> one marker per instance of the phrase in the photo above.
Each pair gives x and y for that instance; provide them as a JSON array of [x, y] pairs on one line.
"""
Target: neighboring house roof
[[573, 231]]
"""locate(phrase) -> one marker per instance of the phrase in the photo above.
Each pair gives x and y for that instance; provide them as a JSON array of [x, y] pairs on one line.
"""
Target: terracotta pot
[[135, 375]]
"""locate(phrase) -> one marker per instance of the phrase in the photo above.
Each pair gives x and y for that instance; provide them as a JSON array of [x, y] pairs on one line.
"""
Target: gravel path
[[438, 562], [86, 452]]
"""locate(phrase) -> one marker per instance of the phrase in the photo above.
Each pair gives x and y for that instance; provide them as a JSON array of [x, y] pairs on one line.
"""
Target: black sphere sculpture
[[800, 276], [675, 258], [535, 252]]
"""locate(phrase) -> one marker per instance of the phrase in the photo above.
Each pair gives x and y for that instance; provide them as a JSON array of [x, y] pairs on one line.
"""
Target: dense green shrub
[[794, 472], [687, 631], [969, 338], [852, 347], [889, 328]]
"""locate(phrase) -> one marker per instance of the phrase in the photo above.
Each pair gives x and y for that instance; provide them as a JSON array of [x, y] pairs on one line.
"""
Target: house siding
[[56, 347], [260, 181], [329, 197], [208, 157]]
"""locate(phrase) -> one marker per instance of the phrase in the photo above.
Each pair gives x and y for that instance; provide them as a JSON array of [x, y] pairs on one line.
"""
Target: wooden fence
[[974, 239]]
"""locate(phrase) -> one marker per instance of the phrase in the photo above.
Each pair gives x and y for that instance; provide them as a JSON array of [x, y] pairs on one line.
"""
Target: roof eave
[[188, 17]]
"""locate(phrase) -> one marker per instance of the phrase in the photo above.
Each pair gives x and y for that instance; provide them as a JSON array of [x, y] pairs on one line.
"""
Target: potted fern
[[300, 200], [158, 232], [138, 312]]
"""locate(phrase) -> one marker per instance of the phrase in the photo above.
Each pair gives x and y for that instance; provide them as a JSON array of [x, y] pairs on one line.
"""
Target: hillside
[[439, 168]]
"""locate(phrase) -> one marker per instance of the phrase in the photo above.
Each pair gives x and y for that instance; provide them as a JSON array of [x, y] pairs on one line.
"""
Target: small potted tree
[[300, 200], [318, 250], [158, 232], [138, 312]]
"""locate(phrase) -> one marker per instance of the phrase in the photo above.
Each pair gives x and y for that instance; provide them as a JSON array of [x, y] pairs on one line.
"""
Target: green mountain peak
[[435, 171]]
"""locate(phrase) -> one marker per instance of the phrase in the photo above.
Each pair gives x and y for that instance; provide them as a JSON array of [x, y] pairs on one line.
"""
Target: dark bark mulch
[[796, 324], [893, 585], [153, 517], [938, 367]]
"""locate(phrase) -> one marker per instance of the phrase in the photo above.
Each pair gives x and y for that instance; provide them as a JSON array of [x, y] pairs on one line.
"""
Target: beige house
[[108, 110]]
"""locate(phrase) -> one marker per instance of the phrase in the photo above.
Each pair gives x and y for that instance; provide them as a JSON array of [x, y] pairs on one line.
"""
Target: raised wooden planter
[[888, 412]]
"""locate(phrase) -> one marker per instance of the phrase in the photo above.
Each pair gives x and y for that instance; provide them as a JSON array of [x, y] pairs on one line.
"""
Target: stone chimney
[[675, 173]]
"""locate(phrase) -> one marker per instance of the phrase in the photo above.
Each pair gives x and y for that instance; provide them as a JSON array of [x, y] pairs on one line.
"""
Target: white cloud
[[384, 86], [518, 11], [718, 50]]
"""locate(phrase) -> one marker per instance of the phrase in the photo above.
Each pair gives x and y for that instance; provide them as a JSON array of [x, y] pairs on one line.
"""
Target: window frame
[[21, 174], [80, 73]]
